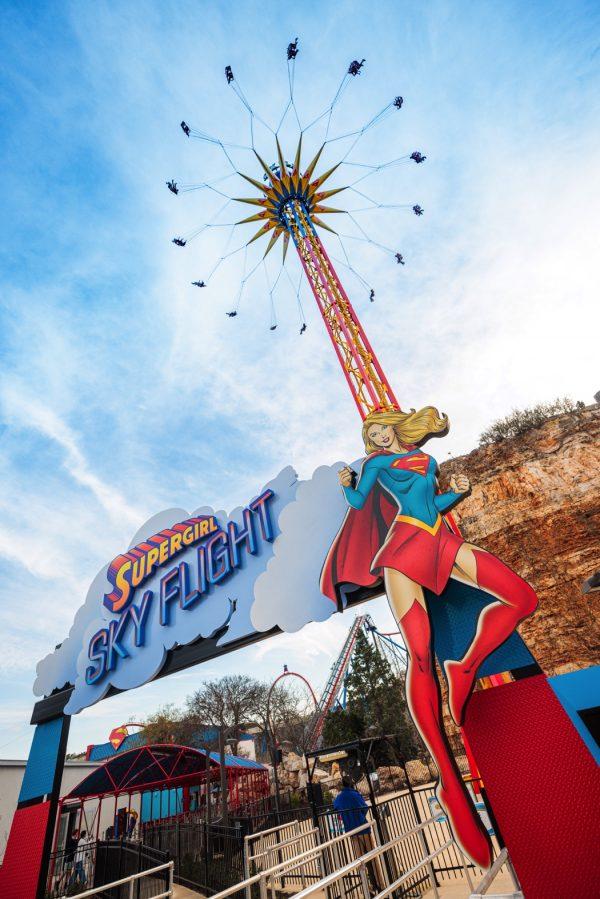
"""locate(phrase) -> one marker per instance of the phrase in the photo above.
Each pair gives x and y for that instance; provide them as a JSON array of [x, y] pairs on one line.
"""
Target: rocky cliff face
[[535, 503]]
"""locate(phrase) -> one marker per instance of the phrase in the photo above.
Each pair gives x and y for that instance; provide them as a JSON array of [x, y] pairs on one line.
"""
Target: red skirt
[[424, 554]]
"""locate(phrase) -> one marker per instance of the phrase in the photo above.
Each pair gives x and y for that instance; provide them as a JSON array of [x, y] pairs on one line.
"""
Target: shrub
[[521, 420]]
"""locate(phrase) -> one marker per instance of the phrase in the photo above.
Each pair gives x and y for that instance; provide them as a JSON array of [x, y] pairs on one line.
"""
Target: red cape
[[356, 544]]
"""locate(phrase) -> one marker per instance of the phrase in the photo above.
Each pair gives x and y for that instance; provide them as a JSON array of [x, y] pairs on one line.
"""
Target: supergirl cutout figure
[[394, 530]]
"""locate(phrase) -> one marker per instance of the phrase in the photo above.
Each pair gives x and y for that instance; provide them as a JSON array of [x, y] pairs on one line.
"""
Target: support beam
[[25, 866], [368, 385]]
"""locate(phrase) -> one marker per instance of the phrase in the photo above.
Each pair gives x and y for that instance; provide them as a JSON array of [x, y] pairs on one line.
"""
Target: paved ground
[[180, 892], [457, 890], [460, 889]]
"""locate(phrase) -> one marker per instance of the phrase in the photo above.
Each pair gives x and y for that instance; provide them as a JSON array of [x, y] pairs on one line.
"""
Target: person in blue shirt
[[351, 806], [352, 811]]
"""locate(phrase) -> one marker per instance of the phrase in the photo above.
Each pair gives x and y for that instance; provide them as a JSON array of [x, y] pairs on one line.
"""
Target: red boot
[[423, 696], [497, 622], [465, 824]]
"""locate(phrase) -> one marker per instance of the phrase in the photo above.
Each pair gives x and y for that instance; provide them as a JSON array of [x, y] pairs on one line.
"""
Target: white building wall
[[11, 776]]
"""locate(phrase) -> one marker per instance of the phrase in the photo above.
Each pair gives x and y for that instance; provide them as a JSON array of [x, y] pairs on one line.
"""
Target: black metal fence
[[207, 857], [105, 861], [286, 801], [272, 812]]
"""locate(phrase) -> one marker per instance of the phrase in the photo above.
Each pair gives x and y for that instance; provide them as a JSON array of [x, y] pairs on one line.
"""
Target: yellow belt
[[431, 529]]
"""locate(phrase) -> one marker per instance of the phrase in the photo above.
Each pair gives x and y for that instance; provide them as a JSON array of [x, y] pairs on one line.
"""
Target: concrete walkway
[[457, 890], [180, 892], [460, 888]]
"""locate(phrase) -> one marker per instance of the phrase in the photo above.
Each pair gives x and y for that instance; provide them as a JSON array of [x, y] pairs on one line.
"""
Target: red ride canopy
[[159, 765]]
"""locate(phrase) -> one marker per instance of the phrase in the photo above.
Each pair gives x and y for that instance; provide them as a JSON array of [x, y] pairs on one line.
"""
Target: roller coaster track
[[387, 647]]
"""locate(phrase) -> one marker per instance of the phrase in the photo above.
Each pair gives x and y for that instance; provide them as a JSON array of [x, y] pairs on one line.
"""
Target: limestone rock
[[293, 762], [418, 772], [535, 503]]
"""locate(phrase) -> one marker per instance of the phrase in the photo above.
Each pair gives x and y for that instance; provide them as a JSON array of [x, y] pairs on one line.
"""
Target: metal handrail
[[408, 874], [296, 861], [130, 880], [360, 865], [264, 833], [290, 842], [269, 851], [487, 880]]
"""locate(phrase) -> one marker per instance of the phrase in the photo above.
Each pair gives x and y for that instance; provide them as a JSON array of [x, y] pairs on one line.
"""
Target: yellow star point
[[284, 186]]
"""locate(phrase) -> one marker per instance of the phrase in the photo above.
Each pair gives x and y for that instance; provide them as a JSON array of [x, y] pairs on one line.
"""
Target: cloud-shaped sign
[[71, 661], [287, 594], [252, 570]]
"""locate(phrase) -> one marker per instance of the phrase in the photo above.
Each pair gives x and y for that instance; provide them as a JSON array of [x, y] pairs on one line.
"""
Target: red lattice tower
[[291, 206]]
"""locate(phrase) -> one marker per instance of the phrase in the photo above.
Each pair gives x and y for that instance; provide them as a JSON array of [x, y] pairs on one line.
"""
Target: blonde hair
[[410, 427]]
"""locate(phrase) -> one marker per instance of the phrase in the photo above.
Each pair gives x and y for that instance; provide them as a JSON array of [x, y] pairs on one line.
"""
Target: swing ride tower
[[292, 205]]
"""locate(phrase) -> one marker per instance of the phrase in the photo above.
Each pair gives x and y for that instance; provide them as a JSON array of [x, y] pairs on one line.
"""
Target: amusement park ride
[[291, 205], [521, 733], [334, 692]]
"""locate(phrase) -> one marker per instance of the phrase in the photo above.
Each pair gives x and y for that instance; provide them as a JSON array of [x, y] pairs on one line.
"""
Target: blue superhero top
[[410, 478]]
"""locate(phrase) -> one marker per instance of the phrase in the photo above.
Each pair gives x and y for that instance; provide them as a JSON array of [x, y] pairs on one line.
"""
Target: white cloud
[[39, 557], [31, 413], [313, 642]]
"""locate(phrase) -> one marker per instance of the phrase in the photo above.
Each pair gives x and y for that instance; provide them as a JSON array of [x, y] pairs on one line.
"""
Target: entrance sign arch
[[248, 596]]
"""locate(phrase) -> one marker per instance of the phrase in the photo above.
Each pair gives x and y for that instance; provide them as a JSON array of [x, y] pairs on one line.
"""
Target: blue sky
[[124, 390]]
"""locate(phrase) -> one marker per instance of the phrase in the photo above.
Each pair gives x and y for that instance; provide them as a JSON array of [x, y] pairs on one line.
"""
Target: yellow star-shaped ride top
[[284, 187]]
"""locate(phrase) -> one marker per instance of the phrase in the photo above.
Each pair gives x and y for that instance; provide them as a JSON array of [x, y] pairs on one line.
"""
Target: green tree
[[170, 725], [343, 726], [375, 703], [233, 703], [520, 420], [370, 675]]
